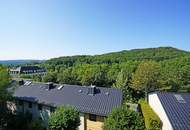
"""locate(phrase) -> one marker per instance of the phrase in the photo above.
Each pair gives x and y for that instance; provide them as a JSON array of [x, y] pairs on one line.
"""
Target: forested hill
[[164, 68], [19, 62], [157, 54]]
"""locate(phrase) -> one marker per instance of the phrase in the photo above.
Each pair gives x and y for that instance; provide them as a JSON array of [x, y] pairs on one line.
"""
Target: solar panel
[[179, 98]]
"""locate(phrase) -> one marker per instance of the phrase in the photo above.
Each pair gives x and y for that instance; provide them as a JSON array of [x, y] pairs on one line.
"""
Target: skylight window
[[60, 87], [27, 83], [179, 98]]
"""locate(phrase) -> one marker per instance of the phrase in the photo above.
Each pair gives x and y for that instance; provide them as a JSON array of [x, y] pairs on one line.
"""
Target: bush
[[64, 118], [124, 119], [25, 76], [50, 77], [152, 121], [23, 121], [36, 125], [20, 121]]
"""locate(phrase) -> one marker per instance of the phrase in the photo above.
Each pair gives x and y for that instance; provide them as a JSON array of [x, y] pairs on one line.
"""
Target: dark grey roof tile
[[100, 103], [177, 112]]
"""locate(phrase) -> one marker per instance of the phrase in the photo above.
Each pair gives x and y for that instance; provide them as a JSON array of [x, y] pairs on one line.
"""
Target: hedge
[[152, 121]]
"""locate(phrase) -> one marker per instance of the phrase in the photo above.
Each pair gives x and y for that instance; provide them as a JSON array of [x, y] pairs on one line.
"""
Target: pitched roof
[[177, 108], [26, 68], [100, 103]]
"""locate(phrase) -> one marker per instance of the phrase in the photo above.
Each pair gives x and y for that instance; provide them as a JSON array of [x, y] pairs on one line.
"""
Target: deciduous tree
[[4, 96], [64, 118], [123, 119], [146, 77]]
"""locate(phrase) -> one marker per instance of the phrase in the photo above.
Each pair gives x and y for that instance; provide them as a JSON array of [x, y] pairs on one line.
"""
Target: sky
[[43, 29]]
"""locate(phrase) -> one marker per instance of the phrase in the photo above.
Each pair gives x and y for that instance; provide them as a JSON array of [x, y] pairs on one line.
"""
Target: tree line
[[135, 72], [63, 118]]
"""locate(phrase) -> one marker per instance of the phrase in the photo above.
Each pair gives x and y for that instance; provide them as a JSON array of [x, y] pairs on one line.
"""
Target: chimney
[[92, 90], [21, 82], [50, 86]]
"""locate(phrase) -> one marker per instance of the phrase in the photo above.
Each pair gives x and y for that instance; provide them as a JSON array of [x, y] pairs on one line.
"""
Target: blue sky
[[42, 29]]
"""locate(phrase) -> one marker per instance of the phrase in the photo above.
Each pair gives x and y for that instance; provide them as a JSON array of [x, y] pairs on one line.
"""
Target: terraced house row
[[27, 70], [93, 103]]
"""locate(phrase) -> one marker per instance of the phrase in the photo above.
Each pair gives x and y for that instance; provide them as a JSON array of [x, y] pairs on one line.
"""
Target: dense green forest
[[19, 62], [157, 54], [134, 71]]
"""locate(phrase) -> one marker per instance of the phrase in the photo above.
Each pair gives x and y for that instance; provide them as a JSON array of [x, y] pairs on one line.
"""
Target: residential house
[[27, 70], [93, 103], [172, 108]]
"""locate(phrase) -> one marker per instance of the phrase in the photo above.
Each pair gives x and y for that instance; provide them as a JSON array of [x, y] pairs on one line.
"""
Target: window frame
[[29, 104], [92, 117], [20, 102], [40, 107], [52, 109]]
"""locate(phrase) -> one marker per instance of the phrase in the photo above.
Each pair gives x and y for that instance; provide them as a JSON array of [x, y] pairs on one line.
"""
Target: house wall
[[85, 122], [156, 105], [14, 72], [29, 72], [94, 125], [82, 121], [36, 113]]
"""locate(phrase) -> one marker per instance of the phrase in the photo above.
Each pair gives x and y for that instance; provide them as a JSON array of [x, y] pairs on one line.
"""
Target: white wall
[[82, 123], [43, 114], [36, 114], [156, 105]]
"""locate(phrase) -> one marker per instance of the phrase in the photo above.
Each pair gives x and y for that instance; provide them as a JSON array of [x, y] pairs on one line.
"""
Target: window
[[20, 102], [39, 107], [92, 117], [179, 98], [52, 109], [30, 105]]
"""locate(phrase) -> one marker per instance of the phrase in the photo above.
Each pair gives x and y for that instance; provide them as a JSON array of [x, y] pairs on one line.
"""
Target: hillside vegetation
[[19, 62], [157, 54], [135, 71]]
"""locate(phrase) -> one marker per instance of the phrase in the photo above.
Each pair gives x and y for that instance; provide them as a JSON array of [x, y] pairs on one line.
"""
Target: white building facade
[[172, 108], [156, 105]]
